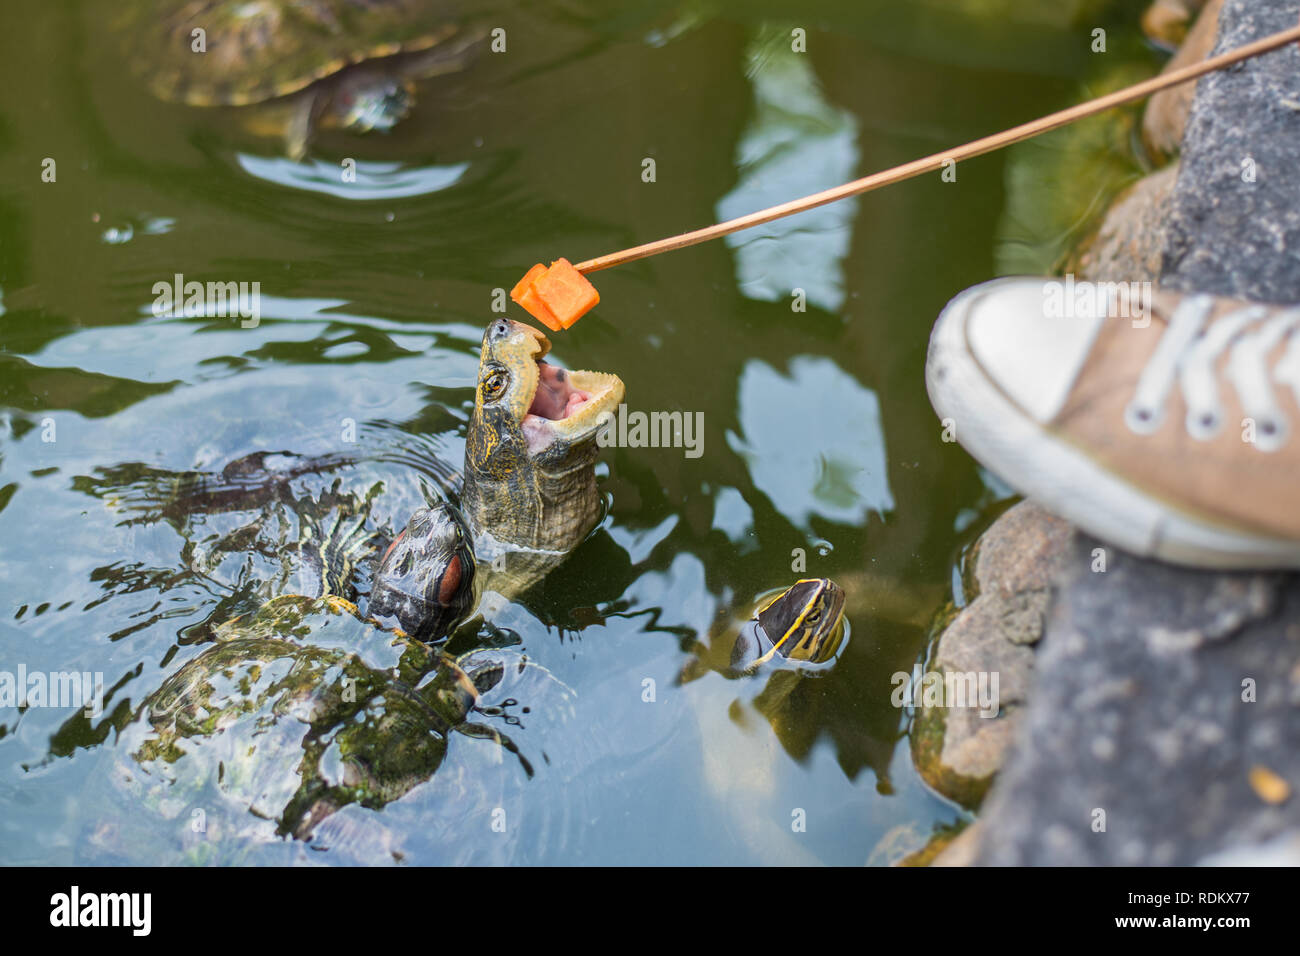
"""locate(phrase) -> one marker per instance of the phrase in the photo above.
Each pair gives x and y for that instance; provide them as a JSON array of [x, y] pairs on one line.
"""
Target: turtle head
[[380, 92], [805, 622], [537, 409], [362, 100], [425, 580], [530, 449]]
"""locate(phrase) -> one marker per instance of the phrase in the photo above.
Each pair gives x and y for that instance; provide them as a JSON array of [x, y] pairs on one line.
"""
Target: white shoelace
[[1189, 355]]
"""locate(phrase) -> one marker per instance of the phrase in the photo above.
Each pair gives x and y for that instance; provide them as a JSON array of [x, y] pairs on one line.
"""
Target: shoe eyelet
[[1143, 419], [1204, 425], [1270, 434]]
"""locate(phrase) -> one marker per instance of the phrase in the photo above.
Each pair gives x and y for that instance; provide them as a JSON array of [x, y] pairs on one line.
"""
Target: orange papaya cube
[[566, 292], [526, 295], [526, 282], [531, 301]]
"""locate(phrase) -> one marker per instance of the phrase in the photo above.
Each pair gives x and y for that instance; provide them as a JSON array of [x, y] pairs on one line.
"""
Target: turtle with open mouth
[[297, 66], [324, 697], [529, 492]]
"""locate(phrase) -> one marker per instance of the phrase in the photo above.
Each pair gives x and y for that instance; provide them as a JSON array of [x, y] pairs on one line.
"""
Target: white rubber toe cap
[[1030, 341]]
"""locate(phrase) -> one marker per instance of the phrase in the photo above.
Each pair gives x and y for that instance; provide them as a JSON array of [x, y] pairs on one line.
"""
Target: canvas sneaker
[[1160, 422]]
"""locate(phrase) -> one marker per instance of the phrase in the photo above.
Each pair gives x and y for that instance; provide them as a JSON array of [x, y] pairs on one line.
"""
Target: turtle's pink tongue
[[576, 400], [556, 397]]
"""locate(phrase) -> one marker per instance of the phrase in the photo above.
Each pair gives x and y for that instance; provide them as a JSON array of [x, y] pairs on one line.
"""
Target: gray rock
[[1138, 714], [1138, 718], [1283, 850], [962, 850], [1129, 244], [1228, 235], [957, 750]]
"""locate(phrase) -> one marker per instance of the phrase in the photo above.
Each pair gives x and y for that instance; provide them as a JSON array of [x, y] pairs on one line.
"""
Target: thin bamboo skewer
[[918, 167]]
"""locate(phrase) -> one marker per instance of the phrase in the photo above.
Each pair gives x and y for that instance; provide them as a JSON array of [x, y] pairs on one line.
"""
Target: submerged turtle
[[804, 623], [791, 635], [301, 730], [309, 64], [791, 632], [306, 705], [801, 632], [266, 525]]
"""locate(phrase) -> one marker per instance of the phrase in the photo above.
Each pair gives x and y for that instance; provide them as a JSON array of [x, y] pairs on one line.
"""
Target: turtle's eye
[[814, 617], [494, 383]]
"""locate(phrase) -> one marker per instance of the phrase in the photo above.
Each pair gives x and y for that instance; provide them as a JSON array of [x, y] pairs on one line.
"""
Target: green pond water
[[817, 433]]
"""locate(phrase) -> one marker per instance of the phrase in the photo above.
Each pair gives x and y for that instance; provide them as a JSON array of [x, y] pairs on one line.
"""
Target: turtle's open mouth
[[556, 397], [568, 405], [550, 404]]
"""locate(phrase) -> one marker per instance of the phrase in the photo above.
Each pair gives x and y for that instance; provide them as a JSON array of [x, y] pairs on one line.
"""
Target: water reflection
[[814, 441], [358, 179], [733, 516], [796, 143]]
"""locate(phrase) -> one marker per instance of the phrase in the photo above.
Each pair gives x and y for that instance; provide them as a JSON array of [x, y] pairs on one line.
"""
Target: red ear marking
[[450, 582], [391, 547]]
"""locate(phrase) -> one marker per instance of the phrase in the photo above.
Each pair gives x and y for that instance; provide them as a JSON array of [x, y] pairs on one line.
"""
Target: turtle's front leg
[[304, 113]]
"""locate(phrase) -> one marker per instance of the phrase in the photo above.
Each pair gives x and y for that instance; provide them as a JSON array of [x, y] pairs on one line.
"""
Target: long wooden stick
[[918, 167]]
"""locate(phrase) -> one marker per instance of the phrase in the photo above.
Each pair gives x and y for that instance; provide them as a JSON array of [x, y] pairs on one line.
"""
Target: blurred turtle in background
[[297, 65]]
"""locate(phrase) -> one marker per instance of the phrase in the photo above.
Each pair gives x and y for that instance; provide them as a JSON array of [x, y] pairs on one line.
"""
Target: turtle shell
[[299, 723], [293, 713], [257, 50]]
